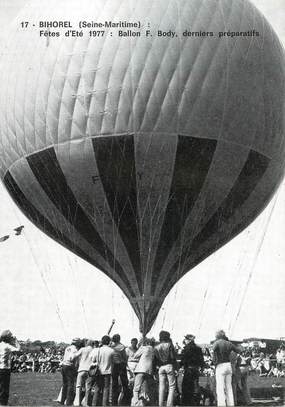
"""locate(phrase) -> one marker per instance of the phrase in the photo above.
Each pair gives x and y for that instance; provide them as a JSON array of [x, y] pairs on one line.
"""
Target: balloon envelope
[[143, 154]]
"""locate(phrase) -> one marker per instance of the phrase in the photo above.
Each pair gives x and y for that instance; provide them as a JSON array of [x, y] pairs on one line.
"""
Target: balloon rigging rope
[[179, 274], [237, 283], [174, 307], [164, 317], [175, 301], [202, 308], [211, 275], [115, 235], [57, 308], [237, 279], [79, 292], [38, 266], [254, 262], [180, 268]]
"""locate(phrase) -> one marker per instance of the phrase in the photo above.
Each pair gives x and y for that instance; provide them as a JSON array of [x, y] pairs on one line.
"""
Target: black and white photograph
[[142, 217]]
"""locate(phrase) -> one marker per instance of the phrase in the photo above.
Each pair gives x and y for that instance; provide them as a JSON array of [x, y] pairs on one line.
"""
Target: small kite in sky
[[18, 231]]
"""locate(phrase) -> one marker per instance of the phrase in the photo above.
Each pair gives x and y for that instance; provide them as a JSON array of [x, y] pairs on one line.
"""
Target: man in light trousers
[[221, 357], [85, 361], [165, 357]]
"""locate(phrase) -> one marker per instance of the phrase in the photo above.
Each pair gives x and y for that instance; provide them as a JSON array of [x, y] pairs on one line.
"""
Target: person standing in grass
[[166, 360], [84, 364], [8, 344], [192, 360], [103, 357], [222, 349], [69, 373], [119, 370], [143, 372]]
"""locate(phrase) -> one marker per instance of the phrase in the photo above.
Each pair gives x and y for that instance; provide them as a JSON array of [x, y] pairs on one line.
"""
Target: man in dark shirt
[[222, 349], [165, 358], [119, 371], [192, 360]]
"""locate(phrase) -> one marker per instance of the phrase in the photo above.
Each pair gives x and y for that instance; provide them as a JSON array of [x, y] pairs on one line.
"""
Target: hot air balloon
[[143, 154]]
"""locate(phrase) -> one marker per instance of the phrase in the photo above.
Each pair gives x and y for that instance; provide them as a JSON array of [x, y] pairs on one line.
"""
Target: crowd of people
[[45, 361], [269, 364], [152, 373], [48, 360], [148, 372]]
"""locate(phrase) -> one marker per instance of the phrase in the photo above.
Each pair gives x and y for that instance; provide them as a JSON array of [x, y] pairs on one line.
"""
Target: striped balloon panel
[[58, 90], [143, 208]]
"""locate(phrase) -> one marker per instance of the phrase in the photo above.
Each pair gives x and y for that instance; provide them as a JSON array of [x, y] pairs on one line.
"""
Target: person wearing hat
[[192, 360], [69, 372], [8, 344]]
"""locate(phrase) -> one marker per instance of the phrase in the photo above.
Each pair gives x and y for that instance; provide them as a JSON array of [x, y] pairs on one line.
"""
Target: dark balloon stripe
[[195, 260], [192, 163], [41, 221], [251, 174], [49, 175], [115, 158]]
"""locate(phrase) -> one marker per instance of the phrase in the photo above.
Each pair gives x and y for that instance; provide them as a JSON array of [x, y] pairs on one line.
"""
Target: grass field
[[36, 389]]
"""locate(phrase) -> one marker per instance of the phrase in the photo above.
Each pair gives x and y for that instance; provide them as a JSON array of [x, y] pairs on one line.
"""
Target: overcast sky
[[48, 293]]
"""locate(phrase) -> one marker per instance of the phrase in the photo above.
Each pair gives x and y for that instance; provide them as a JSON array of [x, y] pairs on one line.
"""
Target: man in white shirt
[[69, 372], [85, 361], [104, 358], [130, 351], [8, 344]]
